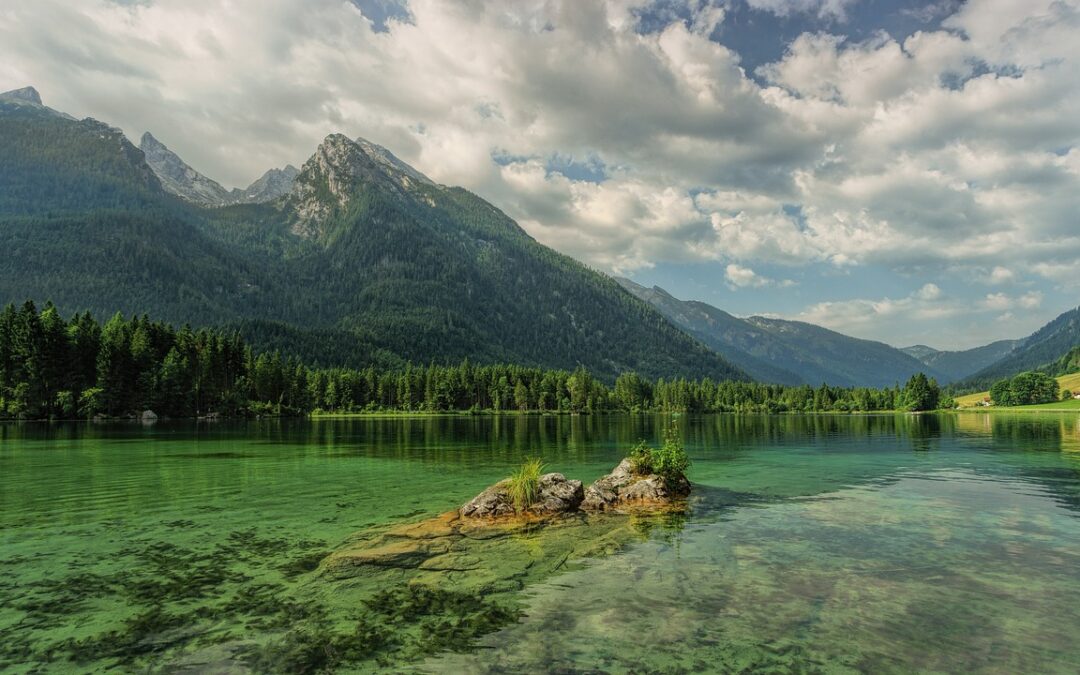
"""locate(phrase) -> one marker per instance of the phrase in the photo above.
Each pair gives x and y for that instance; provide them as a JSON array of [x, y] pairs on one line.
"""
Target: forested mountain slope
[[1042, 348], [776, 350], [363, 248]]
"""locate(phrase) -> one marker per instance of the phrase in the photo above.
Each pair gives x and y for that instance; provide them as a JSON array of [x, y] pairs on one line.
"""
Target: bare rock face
[[340, 170], [26, 95], [491, 503], [622, 488], [556, 495], [178, 178]]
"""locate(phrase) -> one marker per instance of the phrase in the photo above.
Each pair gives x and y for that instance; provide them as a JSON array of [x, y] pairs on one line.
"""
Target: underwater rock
[[622, 487], [556, 494]]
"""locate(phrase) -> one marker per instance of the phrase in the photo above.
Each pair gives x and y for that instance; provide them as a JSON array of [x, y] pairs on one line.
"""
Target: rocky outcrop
[[178, 177], [271, 186], [619, 490], [480, 545], [556, 494], [25, 95], [341, 170], [623, 488]]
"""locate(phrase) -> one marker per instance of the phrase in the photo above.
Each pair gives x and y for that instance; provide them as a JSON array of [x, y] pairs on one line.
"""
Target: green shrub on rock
[[670, 461]]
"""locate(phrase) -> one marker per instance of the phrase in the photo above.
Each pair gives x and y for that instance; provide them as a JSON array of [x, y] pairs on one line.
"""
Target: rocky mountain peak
[[26, 94], [272, 185], [178, 177], [390, 162], [148, 142], [339, 169]]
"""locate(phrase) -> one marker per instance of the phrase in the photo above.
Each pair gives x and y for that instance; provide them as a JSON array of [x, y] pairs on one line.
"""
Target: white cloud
[[1000, 275], [928, 292], [1001, 301], [925, 303], [826, 9], [744, 277]]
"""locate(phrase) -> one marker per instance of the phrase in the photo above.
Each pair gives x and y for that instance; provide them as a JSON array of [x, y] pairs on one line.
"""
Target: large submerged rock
[[556, 494], [623, 488]]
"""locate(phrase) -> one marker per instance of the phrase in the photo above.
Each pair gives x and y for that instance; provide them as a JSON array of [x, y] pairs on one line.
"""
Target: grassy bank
[[1070, 382]]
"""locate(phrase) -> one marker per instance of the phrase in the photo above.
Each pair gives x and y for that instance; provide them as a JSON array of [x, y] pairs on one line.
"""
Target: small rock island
[[622, 489], [571, 520]]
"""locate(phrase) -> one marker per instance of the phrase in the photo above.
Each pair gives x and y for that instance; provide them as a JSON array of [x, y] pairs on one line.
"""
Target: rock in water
[[622, 487], [491, 503], [556, 494]]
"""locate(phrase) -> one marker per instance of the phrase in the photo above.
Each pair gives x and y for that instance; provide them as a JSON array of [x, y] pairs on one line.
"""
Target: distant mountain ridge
[[960, 364], [179, 178], [1042, 348], [362, 260], [786, 352]]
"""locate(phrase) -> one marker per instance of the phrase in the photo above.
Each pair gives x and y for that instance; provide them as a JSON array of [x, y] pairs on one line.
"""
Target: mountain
[[956, 365], [24, 95], [1042, 348], [364, 260], [86, 222], [180, 179], [786, 352], [720, 331], [272, 185]]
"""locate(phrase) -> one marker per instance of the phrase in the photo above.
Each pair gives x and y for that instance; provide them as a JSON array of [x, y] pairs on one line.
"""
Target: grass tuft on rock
[[524, 484]]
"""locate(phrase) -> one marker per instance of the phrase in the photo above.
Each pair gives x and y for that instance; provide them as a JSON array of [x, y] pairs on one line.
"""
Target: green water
[[813, 544]]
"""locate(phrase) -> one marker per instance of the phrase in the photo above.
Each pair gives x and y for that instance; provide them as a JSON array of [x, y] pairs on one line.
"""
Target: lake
[[812, 544]]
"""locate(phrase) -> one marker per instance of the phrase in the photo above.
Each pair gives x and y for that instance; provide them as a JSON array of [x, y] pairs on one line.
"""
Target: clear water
[[813, 544]]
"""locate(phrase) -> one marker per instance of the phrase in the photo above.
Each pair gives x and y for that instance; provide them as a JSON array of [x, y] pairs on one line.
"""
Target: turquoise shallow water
[[813, 544]]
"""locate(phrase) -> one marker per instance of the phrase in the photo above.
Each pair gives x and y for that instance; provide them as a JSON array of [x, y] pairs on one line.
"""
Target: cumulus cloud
[[1000, 275], [744, 277], [910, 318], [928, 302], [831, 9]]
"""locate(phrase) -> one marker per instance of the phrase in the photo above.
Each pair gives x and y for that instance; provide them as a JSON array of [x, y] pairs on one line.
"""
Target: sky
[[905, 171]]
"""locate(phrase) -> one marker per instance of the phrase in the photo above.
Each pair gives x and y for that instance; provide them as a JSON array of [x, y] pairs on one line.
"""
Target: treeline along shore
[[52, 368]]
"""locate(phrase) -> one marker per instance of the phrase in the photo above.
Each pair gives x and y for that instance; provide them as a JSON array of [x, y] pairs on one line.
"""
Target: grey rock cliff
[[179, 178], [271, 186], [27, 99], [26, 94], [339, 171]]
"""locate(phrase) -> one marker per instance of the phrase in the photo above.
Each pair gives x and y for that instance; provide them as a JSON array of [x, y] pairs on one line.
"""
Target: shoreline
[[390, 414]]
